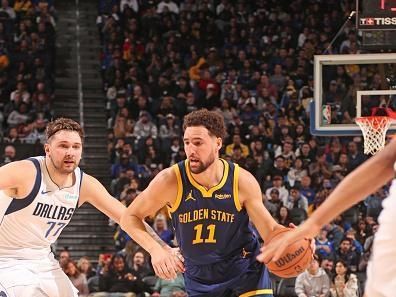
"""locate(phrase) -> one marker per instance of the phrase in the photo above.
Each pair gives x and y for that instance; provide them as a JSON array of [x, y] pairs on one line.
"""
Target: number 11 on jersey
[[210, 232]]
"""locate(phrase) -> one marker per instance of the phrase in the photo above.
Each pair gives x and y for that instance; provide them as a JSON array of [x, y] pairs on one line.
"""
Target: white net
[[374, 132]]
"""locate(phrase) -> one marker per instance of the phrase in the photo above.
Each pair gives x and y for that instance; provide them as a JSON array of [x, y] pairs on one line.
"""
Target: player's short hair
[[211, 120], [63, 124]]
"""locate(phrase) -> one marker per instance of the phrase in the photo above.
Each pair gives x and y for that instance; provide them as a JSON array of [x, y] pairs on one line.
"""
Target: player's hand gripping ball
[[294, 260]]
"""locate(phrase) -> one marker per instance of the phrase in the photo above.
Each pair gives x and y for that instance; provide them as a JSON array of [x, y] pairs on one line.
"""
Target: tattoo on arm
[[154, 235]]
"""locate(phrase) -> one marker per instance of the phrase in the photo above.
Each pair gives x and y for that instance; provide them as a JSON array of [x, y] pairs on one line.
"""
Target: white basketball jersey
[[29, 226]]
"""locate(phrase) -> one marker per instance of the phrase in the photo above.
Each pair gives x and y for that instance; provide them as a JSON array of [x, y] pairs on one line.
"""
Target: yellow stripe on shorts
[[257, 292]]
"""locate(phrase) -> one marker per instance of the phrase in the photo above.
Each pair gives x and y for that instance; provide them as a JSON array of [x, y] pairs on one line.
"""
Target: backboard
[[350, 86]]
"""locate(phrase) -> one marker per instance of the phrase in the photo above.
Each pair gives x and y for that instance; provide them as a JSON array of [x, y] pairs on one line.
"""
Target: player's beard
[[60, 168], [202, 165]]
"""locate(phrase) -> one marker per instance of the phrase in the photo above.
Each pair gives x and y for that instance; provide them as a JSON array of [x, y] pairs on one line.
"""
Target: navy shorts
[[237, 277]]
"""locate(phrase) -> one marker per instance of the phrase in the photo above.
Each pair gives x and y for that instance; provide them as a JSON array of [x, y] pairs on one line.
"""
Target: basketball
[[294, 260]]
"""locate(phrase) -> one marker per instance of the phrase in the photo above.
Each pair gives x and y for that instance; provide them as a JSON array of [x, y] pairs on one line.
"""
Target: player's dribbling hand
[[166, 263], [273, 250]]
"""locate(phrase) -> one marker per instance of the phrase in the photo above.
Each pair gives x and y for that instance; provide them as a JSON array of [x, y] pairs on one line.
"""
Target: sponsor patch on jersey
[[222, 196], [71, 196]]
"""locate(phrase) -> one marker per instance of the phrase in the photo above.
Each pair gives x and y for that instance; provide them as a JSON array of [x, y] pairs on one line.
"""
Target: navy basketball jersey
[[210, 225]]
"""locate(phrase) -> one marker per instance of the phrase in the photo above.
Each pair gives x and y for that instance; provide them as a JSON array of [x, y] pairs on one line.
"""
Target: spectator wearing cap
[[277, 183], [337, 175], [296, 199], [144, 128], [168, 130], [273, 203], [237, 142], [313, 281], [211, 98]]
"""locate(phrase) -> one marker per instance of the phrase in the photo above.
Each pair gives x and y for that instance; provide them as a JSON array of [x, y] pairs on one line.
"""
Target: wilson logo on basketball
[[289, 257], [222, 196]]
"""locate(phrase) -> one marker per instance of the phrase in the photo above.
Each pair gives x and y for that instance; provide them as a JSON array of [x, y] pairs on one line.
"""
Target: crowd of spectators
[[251, 61], [27, 69]]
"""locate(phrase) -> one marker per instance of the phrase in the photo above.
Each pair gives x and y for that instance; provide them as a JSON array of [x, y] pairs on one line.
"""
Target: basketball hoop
[[374, 132]]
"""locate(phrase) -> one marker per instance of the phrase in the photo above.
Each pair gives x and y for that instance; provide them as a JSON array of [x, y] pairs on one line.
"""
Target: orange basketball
[[294, 260]]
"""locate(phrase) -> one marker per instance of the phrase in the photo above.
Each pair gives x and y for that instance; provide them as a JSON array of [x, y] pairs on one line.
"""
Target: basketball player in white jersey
[[366, 179], [38, 197]]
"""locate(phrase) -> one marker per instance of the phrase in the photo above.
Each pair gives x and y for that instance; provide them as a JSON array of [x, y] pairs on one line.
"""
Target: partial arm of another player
[[360, 183], [250, 197], [161, 191], [94, 192]]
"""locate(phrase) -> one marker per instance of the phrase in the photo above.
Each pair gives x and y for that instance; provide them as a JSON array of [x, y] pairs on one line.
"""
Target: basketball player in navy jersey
[[210, 201], [38, 197]]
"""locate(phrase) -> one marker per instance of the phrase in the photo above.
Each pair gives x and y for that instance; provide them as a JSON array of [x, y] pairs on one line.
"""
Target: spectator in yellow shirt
[[236, 141]]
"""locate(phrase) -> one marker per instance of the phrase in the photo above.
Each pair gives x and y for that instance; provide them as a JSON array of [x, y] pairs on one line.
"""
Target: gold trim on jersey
[[257, 292], [207, 193], [235, 188], [179, 190]]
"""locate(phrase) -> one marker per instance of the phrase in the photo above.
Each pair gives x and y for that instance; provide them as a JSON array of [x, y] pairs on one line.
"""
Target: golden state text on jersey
[[210, 225]]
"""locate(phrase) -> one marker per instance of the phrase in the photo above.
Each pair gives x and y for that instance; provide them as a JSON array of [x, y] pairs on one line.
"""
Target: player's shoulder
[[245, 176], [26, 166], [167, 175]]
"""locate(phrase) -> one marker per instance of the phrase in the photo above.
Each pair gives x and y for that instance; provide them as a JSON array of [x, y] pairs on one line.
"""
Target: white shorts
[[44, 278], [381, 270]]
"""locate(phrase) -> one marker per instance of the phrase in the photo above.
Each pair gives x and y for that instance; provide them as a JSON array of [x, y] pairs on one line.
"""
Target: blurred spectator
[[277, 183], [296, 199], [273, 203], [139, 265], [347, 254], [161, 228], [64, 256], [313, 281], [9, 155], [85, 267], [119, 279], [77, 278], [324, 247], [283, 216], [237, 142], [344, 283], [165, 288]]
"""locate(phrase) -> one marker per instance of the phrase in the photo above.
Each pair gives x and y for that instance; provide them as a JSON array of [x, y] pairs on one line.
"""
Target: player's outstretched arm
[[161, 191], [356, 186], [250, 197], [95, 193]]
